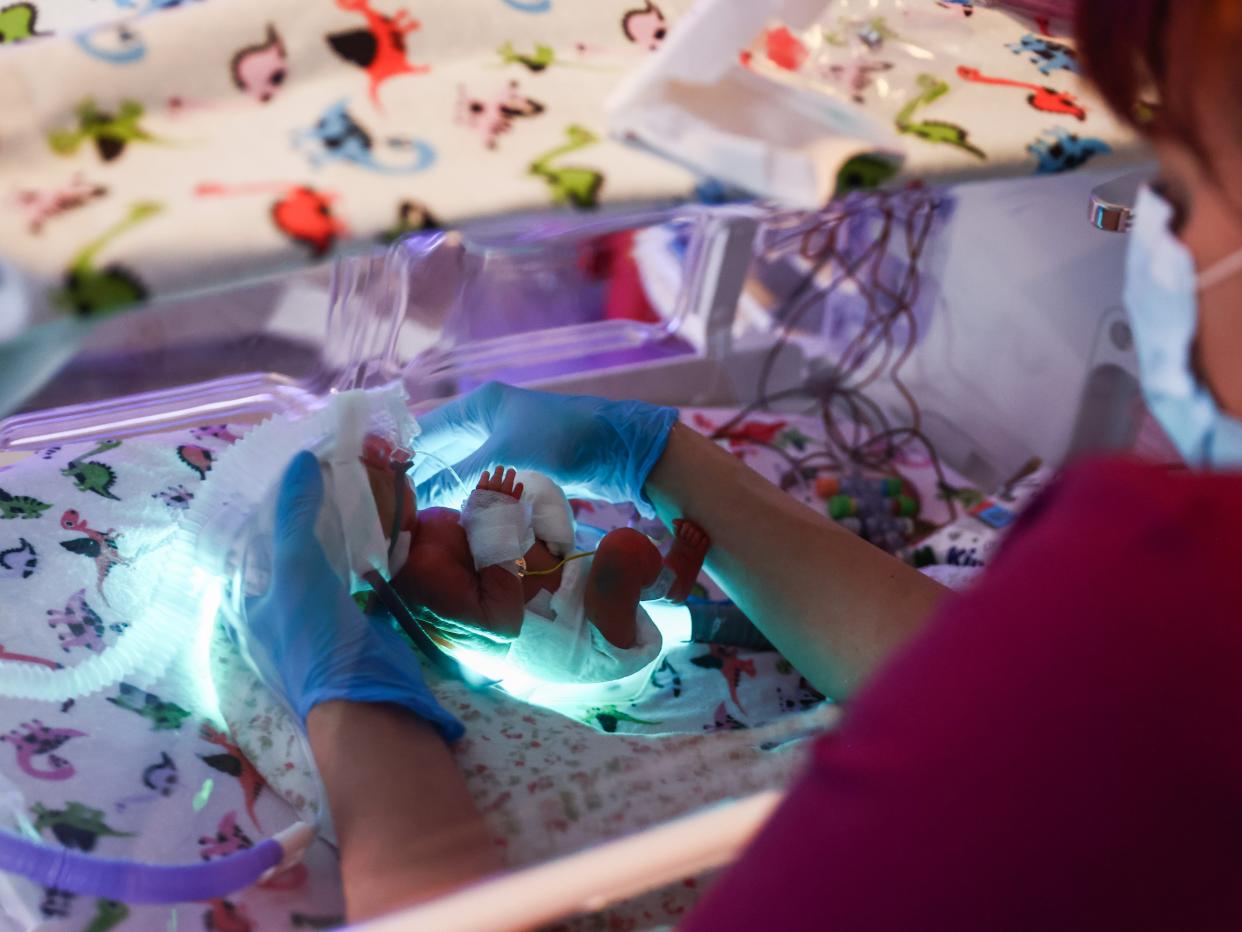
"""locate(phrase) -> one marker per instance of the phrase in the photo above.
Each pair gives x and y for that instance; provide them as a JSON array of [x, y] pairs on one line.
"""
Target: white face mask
[[1161, 294]]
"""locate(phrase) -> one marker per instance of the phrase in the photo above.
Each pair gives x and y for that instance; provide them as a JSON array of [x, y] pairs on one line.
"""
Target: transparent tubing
[[182, 599]]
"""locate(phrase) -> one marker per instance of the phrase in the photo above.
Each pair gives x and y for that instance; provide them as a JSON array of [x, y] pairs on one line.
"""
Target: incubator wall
[[681, 306], [972, 329]]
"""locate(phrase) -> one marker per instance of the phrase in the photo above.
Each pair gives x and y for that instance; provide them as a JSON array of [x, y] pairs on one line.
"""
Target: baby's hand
[[501, 481]]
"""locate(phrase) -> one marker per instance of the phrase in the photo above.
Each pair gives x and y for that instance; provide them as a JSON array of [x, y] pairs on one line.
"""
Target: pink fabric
[[1059, 750]]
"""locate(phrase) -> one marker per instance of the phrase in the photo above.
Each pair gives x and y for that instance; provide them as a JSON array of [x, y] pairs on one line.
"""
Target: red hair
[[1148, 58]]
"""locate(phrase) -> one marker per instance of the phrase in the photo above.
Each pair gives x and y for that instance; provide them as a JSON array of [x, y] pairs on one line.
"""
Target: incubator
[[909, 360], [1016, 350]]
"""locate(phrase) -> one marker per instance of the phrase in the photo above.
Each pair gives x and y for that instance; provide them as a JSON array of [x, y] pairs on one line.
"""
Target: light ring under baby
[[139, 883]]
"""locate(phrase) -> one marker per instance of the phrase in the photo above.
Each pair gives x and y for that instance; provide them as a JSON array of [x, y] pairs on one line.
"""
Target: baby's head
[[379, 457]]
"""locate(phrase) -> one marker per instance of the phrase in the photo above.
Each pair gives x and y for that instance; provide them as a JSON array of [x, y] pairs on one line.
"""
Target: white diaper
[[557, 643], [567, 648]]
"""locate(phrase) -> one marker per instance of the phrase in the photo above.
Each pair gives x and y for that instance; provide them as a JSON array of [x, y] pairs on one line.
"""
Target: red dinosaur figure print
[[100, 546], [224, 916], [234, 763], [379, 49], [302, 213], [747, 432], [197, 458], [784, 49], [1042, 98], [725, 660]]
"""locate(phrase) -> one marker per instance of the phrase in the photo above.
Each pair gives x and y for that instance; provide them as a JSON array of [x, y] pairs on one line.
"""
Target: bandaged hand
[[590, 446], [307, 636], [498, 524]]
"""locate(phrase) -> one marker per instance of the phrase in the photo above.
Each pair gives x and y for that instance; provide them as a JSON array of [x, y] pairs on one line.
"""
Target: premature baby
[[497, 573]]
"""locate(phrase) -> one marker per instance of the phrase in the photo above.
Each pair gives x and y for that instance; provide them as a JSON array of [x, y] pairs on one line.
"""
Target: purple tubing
[[134, 882]]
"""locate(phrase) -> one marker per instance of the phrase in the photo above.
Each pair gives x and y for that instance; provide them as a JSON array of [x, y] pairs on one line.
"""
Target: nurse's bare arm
[[407, 826], [836, 606]]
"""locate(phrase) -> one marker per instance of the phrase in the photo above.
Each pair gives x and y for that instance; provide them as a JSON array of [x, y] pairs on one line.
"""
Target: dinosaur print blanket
[[155, 147]]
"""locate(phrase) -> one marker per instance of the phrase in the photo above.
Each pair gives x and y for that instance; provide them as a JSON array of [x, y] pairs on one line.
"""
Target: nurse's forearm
[[407, 827], [836, 606]]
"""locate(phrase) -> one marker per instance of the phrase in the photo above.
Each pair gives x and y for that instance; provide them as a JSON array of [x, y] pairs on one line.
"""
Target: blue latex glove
[[307, 635], [592, 447]]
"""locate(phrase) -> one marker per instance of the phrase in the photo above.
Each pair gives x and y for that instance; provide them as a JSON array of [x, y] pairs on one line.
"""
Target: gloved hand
[[308, 637], [590, 446]]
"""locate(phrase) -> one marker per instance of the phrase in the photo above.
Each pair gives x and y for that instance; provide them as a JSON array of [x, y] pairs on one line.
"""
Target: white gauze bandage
[[501, 529], [498, 528], [550, 515]]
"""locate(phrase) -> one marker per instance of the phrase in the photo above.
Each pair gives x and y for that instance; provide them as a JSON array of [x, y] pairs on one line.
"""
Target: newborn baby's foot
[[690, 546]]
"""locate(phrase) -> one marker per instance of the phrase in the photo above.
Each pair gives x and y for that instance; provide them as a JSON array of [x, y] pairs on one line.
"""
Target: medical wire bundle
[[866, 249]]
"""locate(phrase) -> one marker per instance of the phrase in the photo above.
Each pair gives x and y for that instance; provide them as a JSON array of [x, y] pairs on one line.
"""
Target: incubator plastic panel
[[976, 326], [680, 306]]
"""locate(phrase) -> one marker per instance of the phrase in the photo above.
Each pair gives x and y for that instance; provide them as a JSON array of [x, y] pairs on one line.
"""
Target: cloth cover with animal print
[[153, 148]]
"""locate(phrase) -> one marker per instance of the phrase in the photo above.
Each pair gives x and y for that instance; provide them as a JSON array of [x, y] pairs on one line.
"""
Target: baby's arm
[[440, 573]]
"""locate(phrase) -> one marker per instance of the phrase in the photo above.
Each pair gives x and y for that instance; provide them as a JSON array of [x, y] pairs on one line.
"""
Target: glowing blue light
[[208, 590], [673, 623]]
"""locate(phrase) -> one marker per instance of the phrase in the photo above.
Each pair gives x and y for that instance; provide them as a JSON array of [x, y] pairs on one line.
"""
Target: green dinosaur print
[[21, 506], [542, 58], [164, 716], [934, 131], [89, 290], [111, 133], [412, 217], [17, 22], [609, 716], [108, 915], [76, 826], [93, 476], [570, 184], [793, 438], [864, 172]]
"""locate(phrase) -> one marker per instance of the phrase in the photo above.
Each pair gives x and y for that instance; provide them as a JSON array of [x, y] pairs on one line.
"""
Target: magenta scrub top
[[1061, 748]]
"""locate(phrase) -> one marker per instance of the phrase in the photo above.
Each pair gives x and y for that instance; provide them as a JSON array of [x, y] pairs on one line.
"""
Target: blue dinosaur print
[[337, 136], [116, 45], [1059, 150], [1045, 53]]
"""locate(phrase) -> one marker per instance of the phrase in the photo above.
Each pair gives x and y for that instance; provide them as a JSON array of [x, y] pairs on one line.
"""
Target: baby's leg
[[685, 559], [625, 563]]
